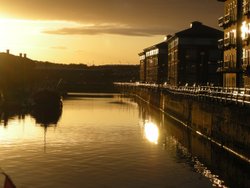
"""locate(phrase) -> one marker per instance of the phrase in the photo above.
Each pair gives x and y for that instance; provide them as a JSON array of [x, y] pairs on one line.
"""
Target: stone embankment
[[222, 115]]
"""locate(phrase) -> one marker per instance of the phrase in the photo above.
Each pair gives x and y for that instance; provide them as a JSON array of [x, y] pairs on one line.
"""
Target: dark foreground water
[[112, 142]]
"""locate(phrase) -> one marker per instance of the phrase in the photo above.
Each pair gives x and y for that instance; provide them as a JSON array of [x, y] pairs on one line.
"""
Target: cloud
[[109, 29], [150, 13]]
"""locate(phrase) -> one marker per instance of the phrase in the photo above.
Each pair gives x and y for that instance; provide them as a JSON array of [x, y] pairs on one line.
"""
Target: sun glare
[[19, 35], [14, 33], [40, 40]]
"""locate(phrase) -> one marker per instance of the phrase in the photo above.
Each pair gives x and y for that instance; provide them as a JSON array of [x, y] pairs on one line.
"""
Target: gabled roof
[[197, 29]]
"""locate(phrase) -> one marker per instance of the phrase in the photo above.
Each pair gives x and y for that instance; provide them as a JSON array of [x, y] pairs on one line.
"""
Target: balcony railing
[[221, 21], [220, 44], [240, 96], [229, 64], [227, 20], [229, 42], [226, 42]]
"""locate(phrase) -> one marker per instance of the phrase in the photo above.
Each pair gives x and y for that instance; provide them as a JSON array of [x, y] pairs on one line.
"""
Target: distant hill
[[23, 74]]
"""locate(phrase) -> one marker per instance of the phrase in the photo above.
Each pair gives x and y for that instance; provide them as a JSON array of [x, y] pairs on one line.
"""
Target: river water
[[112, 141]]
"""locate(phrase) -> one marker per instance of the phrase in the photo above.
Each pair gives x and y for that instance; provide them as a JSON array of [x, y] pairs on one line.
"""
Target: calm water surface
[[112, 142]]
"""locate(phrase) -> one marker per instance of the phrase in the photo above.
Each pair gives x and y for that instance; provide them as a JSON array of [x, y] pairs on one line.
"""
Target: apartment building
[[153, 63], [142, 66], [245, 34], [193, 56], [236, 43]]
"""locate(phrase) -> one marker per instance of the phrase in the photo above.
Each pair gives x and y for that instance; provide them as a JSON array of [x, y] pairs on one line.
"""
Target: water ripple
[[97, 143]]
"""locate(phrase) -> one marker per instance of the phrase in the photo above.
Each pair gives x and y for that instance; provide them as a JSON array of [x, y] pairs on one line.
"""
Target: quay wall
[[225, 124]]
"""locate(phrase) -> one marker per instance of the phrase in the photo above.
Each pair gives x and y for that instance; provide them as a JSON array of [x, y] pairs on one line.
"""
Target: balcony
[[246, 41], [246, 9], [228, 66], [221, 44], [226, 42], [229, 43], [227, 20], [246, 62], [220, 66], [221, 21]]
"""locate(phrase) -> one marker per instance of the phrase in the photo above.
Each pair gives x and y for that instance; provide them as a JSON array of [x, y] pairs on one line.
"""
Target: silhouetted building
[[193, 56], [153, 63], [236, 43]]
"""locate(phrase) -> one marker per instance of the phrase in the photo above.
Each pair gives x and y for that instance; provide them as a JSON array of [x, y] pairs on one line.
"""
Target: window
[[229, 80], [191, 54], [142, 57], [152, 52], [246, 57]]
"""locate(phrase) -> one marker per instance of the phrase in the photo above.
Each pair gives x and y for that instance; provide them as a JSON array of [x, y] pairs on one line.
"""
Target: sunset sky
[[96, 31]]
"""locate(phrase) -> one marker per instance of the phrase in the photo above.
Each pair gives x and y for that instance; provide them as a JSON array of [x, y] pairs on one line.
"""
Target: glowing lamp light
[[151, 132]]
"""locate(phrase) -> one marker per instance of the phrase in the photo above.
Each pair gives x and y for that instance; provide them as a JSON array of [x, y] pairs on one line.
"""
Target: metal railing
[[220, 94], [221, 21]]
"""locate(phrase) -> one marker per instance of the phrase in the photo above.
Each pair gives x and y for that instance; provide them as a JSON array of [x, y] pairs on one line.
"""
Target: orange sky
[[96, 31]]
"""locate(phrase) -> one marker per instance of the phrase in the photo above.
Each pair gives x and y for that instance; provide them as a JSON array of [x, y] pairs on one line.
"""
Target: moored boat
[[47, 98]]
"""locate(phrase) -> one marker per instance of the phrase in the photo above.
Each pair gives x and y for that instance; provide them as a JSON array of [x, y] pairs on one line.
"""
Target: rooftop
[[197, 29]]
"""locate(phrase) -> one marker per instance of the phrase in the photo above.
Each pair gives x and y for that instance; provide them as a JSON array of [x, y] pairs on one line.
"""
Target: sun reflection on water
[[19, 131], [151, 132]]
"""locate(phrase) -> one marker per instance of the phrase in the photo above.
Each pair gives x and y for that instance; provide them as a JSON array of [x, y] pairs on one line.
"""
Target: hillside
[[21, 73]]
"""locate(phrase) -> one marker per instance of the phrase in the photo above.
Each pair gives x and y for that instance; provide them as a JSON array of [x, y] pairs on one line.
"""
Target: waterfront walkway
[[228, 95]]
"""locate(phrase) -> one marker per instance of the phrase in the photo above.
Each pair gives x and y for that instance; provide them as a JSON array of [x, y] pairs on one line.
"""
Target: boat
[[47, 99]]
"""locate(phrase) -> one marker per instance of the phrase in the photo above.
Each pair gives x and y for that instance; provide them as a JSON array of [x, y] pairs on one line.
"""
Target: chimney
[[7, 51], [195, 24], [25, 55], [20, 55]]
